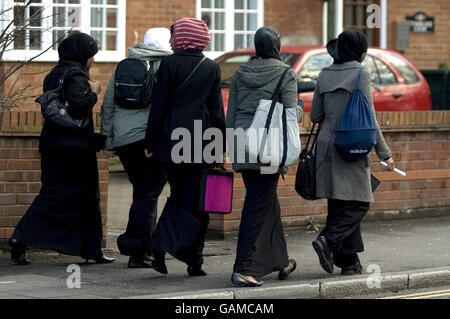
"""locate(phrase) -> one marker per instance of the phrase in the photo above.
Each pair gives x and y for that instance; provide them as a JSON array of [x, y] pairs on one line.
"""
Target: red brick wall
[[426, 49]]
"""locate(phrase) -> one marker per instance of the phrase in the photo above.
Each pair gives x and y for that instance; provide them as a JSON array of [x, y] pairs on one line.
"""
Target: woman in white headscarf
[[124, 129]]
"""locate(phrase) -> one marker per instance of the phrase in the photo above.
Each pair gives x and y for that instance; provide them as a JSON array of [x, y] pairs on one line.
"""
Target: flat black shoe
[[352, 270], [196, 271], [136, 262], [323, 251], [104, 260], [283, 274], [160, 266], [238, 280], [18, 252]]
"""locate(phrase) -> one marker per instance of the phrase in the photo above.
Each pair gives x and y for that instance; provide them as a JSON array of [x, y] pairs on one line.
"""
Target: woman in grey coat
[[261, 245], [346, 184]]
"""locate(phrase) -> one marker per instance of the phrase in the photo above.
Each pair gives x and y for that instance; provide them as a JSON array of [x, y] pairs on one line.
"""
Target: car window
[[229, 65], [402, 66], [313, 66], [387, 77], [369, 63]]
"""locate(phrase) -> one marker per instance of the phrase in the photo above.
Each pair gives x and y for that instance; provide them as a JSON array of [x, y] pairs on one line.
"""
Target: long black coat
[[80, 100], [199, 99]]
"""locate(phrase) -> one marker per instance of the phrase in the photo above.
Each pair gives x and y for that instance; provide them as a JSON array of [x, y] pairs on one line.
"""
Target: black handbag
[[305, 179], [55, 110]]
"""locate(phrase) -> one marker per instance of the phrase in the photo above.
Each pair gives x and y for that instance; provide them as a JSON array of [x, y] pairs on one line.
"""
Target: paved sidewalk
[[408, 254]]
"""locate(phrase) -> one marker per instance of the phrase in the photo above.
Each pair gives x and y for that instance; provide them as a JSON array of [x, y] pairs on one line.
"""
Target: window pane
[[369, 63], [386, 75], [97, 1], [252, 22], [349, 16], [219, 21], [35, 40], [238, 41], [239, 4], [19, 15], [97, 17], [250, 40], [253, 4], [58, 36], [219, 42], [239, 21], [370, 37], [207, 17], [111, 18], [112, 2], [74, 1], [35, 16], [219, 4], [360, 16], [19, 39], [206, 3], [97, 35], [111, 40]]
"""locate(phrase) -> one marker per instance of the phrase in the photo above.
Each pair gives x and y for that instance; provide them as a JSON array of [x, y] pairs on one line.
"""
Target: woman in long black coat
[[66, 216], [182, 228]]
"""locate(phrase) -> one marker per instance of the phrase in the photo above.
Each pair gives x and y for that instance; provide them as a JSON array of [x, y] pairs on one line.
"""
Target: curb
[[358, 286]]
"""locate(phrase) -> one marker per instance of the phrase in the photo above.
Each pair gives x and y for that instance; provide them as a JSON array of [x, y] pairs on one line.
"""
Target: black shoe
[[322, 249], [238, 280], [352, 270], [196, 271], [104, 259], [159, 264], [283, 274], [138, 262], [18, 252]]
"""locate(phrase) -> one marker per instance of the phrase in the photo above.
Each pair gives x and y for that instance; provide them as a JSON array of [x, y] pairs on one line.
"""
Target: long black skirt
[[65, 216], [182, 228], [261, 244]]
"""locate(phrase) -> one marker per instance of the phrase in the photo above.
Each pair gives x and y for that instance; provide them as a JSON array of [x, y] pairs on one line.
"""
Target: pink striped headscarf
[[190, 33]]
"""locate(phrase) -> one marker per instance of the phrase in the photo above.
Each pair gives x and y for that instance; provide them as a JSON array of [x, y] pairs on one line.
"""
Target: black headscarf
[[349, 46], [267, 43], [78, 47]]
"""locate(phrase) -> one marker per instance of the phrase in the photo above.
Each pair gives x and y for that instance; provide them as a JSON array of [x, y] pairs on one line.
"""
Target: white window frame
[[230, 31], [85, 26]]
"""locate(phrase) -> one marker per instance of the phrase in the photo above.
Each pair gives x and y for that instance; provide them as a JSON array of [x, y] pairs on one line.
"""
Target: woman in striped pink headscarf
[[187, 90]]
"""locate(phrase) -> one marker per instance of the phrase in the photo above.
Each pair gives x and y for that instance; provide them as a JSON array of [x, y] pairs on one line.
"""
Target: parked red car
[[398, 84]]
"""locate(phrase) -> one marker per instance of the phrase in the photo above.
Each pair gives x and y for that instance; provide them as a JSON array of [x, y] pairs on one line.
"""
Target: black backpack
[[133, 83]]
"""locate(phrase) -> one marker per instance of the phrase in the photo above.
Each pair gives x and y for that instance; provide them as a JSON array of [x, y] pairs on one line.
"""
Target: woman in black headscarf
[[66, 216], [261, 246], [345, 184]]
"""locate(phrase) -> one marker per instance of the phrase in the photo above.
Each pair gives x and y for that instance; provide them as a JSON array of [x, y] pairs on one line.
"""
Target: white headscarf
[[158, 38]]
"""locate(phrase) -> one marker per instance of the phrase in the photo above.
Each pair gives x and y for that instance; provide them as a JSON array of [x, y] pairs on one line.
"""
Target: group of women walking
[[66, 217]]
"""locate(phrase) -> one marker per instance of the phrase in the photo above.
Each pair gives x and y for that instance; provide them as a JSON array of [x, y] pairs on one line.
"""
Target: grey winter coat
[[123, 126], [338, 178], [252, 82]]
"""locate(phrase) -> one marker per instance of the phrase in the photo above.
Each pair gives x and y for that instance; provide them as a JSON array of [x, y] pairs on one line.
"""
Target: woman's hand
[[95, 86], [109, 153], [391, 164], [148, 154]]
